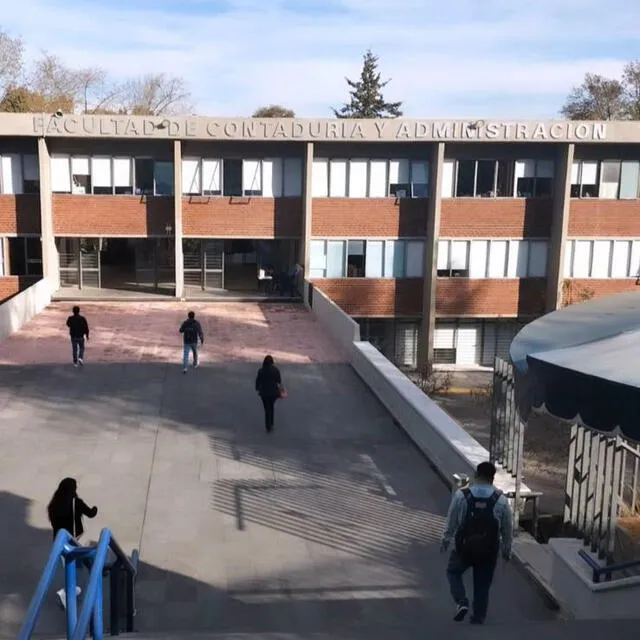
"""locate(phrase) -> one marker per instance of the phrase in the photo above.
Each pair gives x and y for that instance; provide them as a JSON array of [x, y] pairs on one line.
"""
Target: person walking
[[191, 332], [479, 520], [78, 331], [65, 511], [269, 387]]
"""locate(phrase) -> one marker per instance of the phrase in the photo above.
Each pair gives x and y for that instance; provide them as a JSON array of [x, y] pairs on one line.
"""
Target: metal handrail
[[606, 570], [65, 546], [62, 540]]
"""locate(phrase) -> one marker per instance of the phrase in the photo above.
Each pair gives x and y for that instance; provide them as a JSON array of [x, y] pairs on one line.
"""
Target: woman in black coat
[[269, 388], [66, 511]]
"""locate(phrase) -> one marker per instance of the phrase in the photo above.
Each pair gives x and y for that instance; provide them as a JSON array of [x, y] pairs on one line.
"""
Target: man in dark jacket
[[191, 331], [78, 330]]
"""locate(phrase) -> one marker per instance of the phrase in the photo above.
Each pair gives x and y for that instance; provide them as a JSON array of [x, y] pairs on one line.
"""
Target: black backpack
[[478, 538], [190, 333]]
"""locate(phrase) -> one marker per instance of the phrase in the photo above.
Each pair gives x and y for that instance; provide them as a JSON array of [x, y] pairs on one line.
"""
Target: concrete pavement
[[330, 525]]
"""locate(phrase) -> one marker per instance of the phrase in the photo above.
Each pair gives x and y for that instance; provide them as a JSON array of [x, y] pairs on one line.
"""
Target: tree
[[11, 50], [56, 83], [274, 111], [24, 100], [155, 94], [631, 84], [597, 98], [366, 94]]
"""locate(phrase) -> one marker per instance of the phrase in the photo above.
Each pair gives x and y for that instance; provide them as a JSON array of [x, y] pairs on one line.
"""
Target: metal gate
[[204, 264]]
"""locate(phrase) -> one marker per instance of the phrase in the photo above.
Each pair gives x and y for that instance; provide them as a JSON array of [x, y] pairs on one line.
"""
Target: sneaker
[[75, 364], [62, 596], [184, 371], [196, 365], [461, 612], [80, 362]]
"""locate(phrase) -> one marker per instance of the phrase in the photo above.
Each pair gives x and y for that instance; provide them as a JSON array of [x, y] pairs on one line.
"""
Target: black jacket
[[63, 517], [78, 327], [268, 382], [191, 331]]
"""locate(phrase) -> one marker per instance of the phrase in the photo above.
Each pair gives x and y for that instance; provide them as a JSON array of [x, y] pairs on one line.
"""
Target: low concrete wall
[[343, 329], [583, 598], [17, 311]]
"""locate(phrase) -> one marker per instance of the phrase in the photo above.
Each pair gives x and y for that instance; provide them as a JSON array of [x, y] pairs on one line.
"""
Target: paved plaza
[[330, 525]]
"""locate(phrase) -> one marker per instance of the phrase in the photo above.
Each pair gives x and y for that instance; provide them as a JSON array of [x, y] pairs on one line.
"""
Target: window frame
[[570, 250]]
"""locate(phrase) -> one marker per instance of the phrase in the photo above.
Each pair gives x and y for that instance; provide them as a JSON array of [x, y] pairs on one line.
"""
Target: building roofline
[[314, 129]]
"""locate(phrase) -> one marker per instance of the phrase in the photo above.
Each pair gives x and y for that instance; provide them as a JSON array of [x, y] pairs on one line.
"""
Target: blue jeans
[[482, 579], [77, 348], [190, 348]]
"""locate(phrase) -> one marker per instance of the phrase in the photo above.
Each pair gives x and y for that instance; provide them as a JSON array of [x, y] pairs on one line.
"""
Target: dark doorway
[[117, 261]]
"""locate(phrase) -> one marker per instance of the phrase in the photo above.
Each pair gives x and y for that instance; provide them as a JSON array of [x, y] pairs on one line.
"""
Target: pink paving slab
[[148, 331]]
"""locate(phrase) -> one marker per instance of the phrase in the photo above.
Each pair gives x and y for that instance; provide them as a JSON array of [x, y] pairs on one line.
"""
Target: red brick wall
[[358, 217], [375, 296], [483, 298], [580, 289], [20, 213], [242, 217], [604, 218], [111, 215], [495, 217], [10, 285]]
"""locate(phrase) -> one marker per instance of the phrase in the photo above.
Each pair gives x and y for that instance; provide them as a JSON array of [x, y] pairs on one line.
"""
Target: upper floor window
[[605, 179], [492, 258], [19, 173], [25, 256], [268, 178], [602, 259], [367, 258], [533, 178], [475, 179], [105, 175], [364, 178]]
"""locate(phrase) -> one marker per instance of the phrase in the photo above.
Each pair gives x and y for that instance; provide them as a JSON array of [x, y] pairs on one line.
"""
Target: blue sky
[[465, 58]]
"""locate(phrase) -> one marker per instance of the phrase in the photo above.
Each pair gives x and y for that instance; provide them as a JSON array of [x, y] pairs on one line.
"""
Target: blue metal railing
[[91, 614], [600, 570]]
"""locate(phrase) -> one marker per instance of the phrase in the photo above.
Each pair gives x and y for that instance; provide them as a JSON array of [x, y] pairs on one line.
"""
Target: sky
[[498, 59]]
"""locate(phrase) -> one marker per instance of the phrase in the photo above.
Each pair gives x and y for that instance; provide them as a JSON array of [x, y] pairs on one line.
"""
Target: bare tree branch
[[11, 50], [155, 94]]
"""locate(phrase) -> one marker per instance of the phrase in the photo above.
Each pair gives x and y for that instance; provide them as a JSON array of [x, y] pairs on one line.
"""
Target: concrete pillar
[[428, 325], [559, 226], [177, 220], [307, 205], [50, 262]]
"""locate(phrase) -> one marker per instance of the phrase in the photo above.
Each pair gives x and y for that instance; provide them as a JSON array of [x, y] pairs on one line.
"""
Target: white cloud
[[462, 59]]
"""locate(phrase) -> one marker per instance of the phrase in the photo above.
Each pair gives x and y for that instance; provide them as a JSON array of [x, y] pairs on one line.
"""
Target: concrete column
[[559, 226], [428, 325], [307, 205], [50, 262], [177, 220]]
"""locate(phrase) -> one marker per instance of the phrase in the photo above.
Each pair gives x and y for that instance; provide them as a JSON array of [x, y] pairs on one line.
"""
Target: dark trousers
[[482, 579], [268, 402], [77, 348]]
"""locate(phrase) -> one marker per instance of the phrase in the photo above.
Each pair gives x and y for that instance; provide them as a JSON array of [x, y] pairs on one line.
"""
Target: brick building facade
[[440, 238]]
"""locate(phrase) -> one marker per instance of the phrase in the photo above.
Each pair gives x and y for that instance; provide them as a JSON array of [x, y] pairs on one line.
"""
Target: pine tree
[[366, 94]]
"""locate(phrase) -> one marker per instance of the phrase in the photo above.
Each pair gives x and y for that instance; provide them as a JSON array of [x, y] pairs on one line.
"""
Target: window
[[191, 177], [533, 178], [292, 177], [101, 176], [362, 178], [366, 258], [211, 183], [629, 179], [123, 176], [251, 178], [475, 179], [492, 258], [60, 174], [30, 174], [584, 179], [163, 178], [80, 175], [25, 256], [19, 173], [355, 258], [2, 256], [272, 178], [602, 259], [232, 180], [453, 258], [144, 176]]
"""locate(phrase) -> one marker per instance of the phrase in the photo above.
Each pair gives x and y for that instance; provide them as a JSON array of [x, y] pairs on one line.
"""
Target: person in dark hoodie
[[191, 331], [78, 330], [66, 511], [269, 388]]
